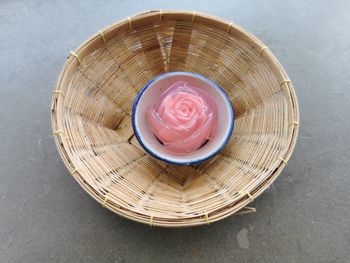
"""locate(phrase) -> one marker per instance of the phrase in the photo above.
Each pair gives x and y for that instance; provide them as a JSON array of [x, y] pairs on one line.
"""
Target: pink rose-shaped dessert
[[184, 118]]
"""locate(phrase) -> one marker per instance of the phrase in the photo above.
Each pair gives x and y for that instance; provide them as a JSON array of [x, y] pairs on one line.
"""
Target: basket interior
[[95, 116]]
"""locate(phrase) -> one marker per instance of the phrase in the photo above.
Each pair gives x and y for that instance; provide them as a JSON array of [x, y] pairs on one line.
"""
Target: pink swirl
[[184, 118]]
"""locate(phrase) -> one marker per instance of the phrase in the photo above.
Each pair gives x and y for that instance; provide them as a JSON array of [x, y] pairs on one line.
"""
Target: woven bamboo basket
[[91, 118]]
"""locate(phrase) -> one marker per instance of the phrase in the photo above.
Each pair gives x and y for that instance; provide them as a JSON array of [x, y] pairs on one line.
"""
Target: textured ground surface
[[46, 217]]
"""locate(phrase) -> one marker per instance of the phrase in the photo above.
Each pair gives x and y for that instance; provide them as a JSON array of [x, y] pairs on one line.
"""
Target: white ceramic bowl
[[149, 95]]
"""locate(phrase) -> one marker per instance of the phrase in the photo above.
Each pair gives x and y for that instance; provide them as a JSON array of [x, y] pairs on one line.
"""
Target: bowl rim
[[206, 157]]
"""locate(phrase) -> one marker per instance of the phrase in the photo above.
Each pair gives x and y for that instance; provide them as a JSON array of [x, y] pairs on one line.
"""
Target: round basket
[[91, 118]]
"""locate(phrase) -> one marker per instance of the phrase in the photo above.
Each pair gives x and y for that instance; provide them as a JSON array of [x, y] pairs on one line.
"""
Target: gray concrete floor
[[46, 217]]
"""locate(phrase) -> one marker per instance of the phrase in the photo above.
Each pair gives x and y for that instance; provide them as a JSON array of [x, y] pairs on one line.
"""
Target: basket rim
[[171, 15]]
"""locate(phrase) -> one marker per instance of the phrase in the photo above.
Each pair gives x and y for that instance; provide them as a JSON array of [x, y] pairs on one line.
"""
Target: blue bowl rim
[[198, 161]]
